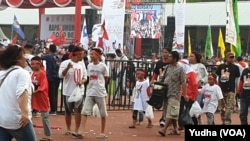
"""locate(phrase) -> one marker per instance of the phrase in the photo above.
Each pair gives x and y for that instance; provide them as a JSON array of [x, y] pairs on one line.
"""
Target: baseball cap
[[229, 54]]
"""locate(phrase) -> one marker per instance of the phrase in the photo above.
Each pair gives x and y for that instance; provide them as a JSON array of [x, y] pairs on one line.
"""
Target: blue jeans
[[244, 104], [26, 133]]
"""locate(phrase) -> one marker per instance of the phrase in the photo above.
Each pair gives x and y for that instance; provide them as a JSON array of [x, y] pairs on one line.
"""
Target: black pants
[[183, 105], [53, 95]]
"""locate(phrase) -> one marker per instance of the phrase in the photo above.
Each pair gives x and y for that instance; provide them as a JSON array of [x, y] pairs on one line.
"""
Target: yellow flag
[[221, 44], [189, 44]]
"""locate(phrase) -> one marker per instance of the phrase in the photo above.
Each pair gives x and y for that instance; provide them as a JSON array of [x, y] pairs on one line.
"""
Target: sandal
[[102, 136], [132, 126], [162, 133], [174, 133], [67, 133], [77, 135]]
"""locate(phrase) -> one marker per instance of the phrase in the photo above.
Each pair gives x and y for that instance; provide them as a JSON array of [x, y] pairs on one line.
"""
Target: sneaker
[[162, 123], [52, 113]]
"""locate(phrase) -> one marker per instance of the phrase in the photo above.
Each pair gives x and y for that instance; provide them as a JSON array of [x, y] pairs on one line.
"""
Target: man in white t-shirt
[[96, 93], [74, 74]]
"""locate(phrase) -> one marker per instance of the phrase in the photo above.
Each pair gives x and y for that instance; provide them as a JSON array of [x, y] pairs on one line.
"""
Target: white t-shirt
[[96, 75], [75, 74], [212, 95], [12, 88], [201, 72], [141, 96]]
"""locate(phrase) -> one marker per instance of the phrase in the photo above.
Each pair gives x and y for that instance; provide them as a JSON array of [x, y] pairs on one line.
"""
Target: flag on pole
[[104, 36], [16, 27], [237, 47], [60, 40], [232, 26], [221, 44], [208, 46], [14, 40], [189, 44], [104, 31]]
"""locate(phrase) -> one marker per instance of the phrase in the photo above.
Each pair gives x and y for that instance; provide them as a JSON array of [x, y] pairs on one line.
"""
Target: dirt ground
[[117, 128]]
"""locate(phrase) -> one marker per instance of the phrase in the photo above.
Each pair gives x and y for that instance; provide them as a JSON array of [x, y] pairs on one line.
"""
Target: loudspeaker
[[91, 17], [169, 31], [171, 24]]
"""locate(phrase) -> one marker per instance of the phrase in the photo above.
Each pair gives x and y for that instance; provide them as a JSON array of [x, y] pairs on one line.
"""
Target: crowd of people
[[37, 78]]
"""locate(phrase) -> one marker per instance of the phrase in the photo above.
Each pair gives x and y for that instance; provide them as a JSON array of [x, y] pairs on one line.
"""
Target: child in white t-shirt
[[140, 97], [212, 95]]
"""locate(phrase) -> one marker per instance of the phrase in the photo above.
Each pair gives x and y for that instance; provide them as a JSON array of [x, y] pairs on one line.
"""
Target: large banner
[[113, 13], [51, 23], [231, 34], [146, 21], [179, 11]]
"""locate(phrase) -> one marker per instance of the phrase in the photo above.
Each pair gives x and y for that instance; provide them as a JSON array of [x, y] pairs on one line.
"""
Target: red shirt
[[40, 99], [192, 86]]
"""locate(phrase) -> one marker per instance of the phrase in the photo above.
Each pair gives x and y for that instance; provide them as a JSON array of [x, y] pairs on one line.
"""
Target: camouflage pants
[[229, 98]]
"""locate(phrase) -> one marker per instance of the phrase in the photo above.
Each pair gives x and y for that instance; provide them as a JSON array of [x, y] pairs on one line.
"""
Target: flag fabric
[[14, 39], [237, 47], [52, 37], [208, 46], [104, 31], [221, 44], [100, 43], [16, 27], [60, 40], [232, 26], [189, 44]]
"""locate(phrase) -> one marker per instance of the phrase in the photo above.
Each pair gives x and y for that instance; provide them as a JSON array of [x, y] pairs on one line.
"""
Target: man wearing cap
[[228, 74]]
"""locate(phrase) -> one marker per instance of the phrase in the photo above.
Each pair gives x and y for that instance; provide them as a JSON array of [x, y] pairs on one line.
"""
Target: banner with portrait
[[146, 21], [179, 36], [113, 13]]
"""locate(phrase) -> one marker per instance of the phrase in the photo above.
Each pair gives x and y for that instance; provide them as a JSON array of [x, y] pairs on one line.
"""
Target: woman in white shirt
[[199, 68], [15, 96]]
